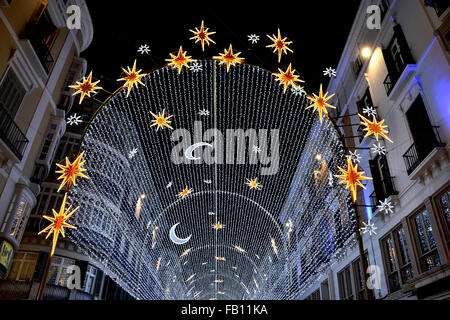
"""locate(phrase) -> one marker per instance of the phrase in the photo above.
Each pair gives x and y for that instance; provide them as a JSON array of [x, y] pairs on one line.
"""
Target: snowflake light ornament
[[204, 113], [330, 72], [132, 153], [330, 179], [370, 111], [354, 156], [196, 67], [144, 49], [299, 91], [256, 149], [369, 227], [253, 38], [74, 120], [378, 149], [386, 206]]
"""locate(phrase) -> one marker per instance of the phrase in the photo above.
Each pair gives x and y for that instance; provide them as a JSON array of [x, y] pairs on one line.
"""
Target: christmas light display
[[287, 78], [180, 60], [86, 87], [352, 177], [160, 121], [320, 103], [375, 127], [275, 262], [229, 57]]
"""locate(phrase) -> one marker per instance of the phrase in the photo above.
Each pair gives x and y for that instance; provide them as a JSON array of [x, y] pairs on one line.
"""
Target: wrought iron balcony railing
[[416, 154], [11, 134], [43, 52]]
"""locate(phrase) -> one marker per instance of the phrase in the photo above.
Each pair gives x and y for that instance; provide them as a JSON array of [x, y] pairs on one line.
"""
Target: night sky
[[318, 30]]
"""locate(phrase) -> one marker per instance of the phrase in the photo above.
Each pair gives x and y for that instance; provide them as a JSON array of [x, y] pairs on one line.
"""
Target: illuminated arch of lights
[[275, 239]]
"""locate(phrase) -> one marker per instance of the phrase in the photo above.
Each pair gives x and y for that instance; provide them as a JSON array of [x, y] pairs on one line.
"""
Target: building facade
[[401, 70]]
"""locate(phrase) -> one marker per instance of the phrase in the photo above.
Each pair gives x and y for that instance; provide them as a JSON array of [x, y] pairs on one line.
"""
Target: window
[[359, 278], [345, 284], [58, 274], [423, 133], [382, 180], [365, 102], [11, 94], [16, 215], [89, 280], [397, 259], [22, 267], [423, 235], [48, 199], [443, 205]]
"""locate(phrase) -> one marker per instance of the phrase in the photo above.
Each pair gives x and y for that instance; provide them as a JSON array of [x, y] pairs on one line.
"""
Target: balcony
[[11, 135], [43, 53], [414, 156]]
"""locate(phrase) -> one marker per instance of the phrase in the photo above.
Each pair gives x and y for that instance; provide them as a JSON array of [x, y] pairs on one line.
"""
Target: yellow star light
[[70, 171], [132, 78], [287, 78], [229, 57], [58, 222], [218, 281], [280, 45], [254, 184], [180, 60], [183, 194], [202, 35], [158, 263], [86, 87], [352, 177], [160, 121], [274, 245], [375, 128], [218, 226], [320, 103], [239, 249], [220, 259]]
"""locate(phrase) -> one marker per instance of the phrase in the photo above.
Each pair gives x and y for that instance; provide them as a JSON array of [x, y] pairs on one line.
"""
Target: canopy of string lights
[[208, 184]]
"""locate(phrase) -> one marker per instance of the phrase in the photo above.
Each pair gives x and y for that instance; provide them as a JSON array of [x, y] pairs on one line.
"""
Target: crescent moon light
[[188, 152], [174, 237]]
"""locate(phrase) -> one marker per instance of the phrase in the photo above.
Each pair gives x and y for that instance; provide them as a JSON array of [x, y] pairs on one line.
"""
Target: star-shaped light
[[161, 121], [218, 226], [369, 227], [74, 120], [374, 127], [370, 111], [280, 45], [320, 103], [287, 78], [330, 179], [352, 177], [254, 184], [86, 87], [180, 60], [229, 57], [70, 171], [355, 156], [330, 72], [202, 35], [183, 194], [221, 259], [58, 222], [386, 206], [144, 49], [378, 149], [253, 38], [132, 78]]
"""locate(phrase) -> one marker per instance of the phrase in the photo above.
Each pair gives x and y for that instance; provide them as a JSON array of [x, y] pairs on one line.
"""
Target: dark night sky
[[318, 30]]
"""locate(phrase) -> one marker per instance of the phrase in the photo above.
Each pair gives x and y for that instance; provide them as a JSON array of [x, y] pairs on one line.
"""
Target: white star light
[[74, 120], [256, 149], [355, 157], [330, 179], [369, 227], [132, 153], [298, 91], [169, 185], [386, 206], [204, 113], [144, 49], [253, 38], [379, 149], [330, 72], [370, 111], [196, 67]]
